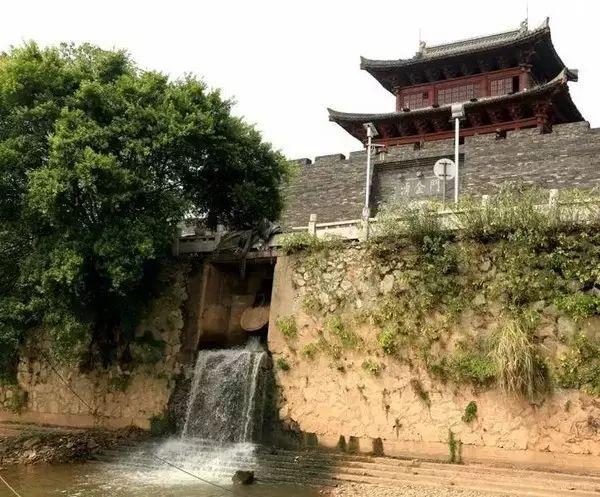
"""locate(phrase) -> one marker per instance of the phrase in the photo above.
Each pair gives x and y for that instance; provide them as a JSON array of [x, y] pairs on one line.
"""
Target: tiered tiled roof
[[556, 89], [471, 48], [505, 81], [469, 45], [559, 81]]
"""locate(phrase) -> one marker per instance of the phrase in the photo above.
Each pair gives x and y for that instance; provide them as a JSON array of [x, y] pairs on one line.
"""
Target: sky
[[285, 62]]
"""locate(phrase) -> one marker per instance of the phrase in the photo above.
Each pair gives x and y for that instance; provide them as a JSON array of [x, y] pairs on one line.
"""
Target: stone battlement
[[332, 186]]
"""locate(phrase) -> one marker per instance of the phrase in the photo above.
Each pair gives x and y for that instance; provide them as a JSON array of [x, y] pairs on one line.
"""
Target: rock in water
[[243, 477]]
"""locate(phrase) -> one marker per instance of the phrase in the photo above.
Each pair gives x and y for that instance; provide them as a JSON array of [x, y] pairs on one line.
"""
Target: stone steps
[[498, 485], [399, 465], [447, 476], [330, 469]]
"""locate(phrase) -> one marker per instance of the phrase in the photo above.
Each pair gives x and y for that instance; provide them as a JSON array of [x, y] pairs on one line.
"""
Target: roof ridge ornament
[[421, 50], [524, 26]]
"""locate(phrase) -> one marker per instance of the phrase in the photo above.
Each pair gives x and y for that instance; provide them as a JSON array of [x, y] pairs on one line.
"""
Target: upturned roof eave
[[379, 68], [560, 80], [418, 58]]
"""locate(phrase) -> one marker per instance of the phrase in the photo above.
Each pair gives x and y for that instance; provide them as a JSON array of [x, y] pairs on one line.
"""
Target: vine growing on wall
[[508, 265]]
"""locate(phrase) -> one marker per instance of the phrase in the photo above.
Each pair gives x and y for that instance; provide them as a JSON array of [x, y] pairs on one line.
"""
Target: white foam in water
[[224, 416], [214, 464]]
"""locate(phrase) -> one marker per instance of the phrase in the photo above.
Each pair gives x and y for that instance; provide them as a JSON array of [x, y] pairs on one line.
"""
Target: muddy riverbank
[[37, 445]]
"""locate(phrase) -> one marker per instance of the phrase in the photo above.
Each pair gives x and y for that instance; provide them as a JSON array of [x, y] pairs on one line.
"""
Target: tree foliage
[[99, 161]]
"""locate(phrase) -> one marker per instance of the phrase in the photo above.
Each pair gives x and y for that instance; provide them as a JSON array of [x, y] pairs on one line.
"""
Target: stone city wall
[[333, 186], [338, 384]]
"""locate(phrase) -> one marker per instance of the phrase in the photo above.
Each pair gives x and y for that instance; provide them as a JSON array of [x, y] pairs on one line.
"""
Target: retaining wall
[[331, 397]]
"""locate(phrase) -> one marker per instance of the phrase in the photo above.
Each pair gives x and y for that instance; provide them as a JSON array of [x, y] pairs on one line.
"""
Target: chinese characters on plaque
[[420, 185]]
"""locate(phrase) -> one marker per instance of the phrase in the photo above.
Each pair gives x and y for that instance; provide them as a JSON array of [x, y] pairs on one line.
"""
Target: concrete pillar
[[219, 233], [175, 244], [312, 224]]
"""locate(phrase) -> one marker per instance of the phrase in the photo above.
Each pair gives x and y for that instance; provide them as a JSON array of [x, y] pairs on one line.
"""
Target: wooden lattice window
[[460, 93], [415, 100], [502, 86]]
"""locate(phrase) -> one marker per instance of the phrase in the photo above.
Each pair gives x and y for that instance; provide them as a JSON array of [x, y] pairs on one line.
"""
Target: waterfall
[[222, 422], [227, 395]]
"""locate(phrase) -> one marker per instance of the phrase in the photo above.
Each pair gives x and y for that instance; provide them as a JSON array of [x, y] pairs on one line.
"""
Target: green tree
[[99, 161]]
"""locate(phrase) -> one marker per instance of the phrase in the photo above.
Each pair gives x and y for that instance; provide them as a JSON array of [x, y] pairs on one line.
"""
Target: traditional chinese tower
[[507, 81]]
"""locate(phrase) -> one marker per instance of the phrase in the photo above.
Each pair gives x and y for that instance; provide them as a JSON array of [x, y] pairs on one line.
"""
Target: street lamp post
[[458, 113], [366, 214]]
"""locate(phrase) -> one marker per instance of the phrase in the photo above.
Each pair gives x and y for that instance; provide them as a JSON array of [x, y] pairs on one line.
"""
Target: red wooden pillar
[[543, 114], [525, 77], [398, 93]]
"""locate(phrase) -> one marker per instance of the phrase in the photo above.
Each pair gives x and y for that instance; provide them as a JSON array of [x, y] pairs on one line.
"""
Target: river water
[[108, 480], [223, 421]]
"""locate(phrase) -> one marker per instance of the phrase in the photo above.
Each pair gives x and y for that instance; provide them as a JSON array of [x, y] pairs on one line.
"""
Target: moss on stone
[[147, 349], [353, 445], [420, 391], [454, 448], [470, 413], [15, 400], [119, 382]]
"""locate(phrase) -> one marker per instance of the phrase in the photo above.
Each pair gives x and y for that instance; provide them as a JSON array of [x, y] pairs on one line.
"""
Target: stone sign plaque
[[410, 180]]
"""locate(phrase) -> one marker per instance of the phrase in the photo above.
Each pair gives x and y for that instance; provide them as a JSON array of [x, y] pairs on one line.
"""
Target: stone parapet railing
[[199, 240]]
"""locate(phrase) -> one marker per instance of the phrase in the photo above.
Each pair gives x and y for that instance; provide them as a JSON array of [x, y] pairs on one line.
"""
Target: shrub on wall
[[470, 413], [371, 367], [388, 339], [468, 364], [514, 209], [292, 243], [310, 350], [580, 366], [519, 368], [400, 222], [579, 305], [147, 350], [508, 262], [283, 364], [287, 326], [335, 327]]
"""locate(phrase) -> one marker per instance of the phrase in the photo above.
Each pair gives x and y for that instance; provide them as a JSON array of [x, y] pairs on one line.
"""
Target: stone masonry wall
[[111, 398], [569, 157], [333, 187], [339, 397]]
